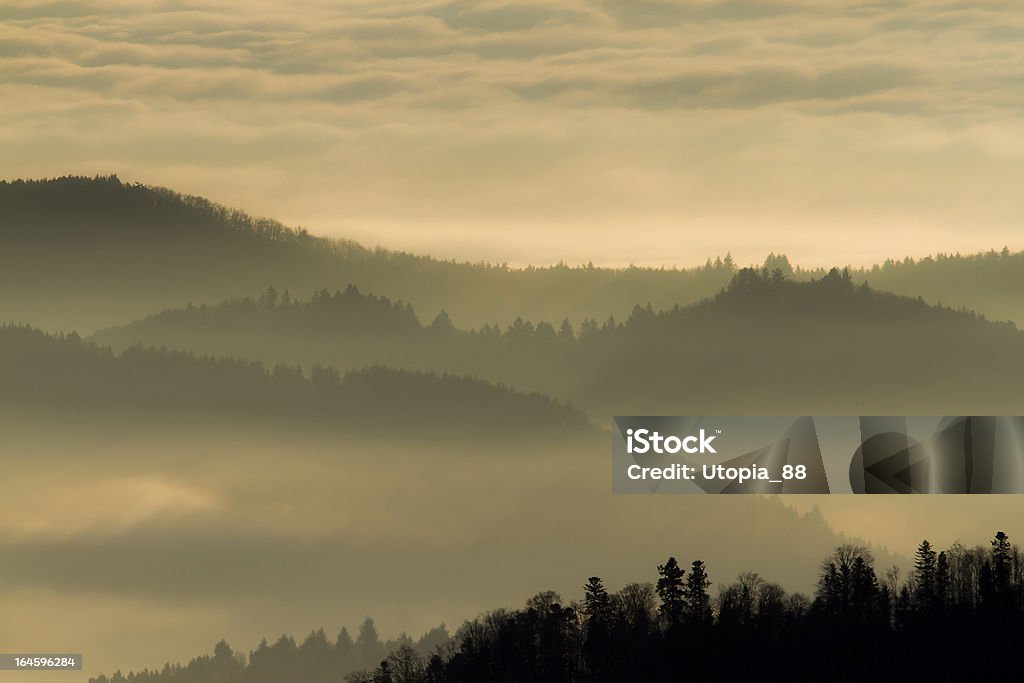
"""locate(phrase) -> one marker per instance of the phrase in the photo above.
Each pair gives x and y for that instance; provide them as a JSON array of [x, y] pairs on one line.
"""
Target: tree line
[[958, 610], [352, 313], [316, 659], [92, 210], [63, 371], [85, 252], [849, 344]]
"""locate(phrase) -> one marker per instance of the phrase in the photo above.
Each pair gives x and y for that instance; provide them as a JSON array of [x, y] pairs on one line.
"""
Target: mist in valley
[[141, 544]]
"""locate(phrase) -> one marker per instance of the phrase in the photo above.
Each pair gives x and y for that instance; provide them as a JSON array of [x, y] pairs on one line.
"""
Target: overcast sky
[[646, 131]]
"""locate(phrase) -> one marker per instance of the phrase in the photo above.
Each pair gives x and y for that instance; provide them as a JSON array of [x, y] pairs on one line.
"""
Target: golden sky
[[645, 131]]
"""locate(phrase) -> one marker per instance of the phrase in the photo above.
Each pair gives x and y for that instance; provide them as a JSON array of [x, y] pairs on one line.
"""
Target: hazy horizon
[[743, 257], [645, 132]]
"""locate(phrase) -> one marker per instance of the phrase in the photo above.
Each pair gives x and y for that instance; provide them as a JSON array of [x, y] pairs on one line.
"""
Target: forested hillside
[[88, 252], [316, 658], [85, 253], [39, 371], [862, 623], [824, 344], [990, 282]]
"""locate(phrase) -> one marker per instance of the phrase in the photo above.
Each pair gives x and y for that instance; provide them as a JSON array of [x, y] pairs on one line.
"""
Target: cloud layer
[[649, 130]]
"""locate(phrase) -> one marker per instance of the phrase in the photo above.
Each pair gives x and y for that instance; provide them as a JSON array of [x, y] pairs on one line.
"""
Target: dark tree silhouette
[[697, 599], [856, 628], [671, 592], [925, 561]]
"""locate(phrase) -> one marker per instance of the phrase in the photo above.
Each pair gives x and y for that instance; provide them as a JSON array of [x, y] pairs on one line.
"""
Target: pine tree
[[864, 591], [597, 608], [670, 592], [566, 332], [442, 322], [924, 575], [943, 585], [368, 644], [596, 601], [588, 328], [698, 601], [1002, 565]]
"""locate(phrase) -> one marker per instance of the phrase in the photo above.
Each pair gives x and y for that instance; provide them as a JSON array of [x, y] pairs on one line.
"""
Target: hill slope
[[990, 282], [57, 373], [89, 252], [827, 345], [84, 253]]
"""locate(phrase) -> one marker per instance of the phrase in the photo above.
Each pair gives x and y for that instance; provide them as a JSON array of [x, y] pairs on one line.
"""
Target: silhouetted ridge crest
[[63, 371], [84, 208], [835, 294], [827, 341], [91, 252], [84, 253], [348, 312]]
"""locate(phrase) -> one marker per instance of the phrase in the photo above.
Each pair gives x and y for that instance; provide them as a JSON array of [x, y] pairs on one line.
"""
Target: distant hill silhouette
[[81, 253], [763, 344], [991, 282], [315, 659], [63, 372]]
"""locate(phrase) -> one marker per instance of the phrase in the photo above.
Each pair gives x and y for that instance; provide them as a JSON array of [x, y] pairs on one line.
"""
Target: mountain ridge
[[762, 328], [66, 373], [84, 253]]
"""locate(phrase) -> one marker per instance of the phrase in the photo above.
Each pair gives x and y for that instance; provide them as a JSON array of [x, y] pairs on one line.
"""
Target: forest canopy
[[65, 372], [822, 342], [91, 252], [861, 622]]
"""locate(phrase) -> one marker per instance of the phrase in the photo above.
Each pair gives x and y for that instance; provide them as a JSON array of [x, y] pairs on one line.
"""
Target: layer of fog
[[137, 546]]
